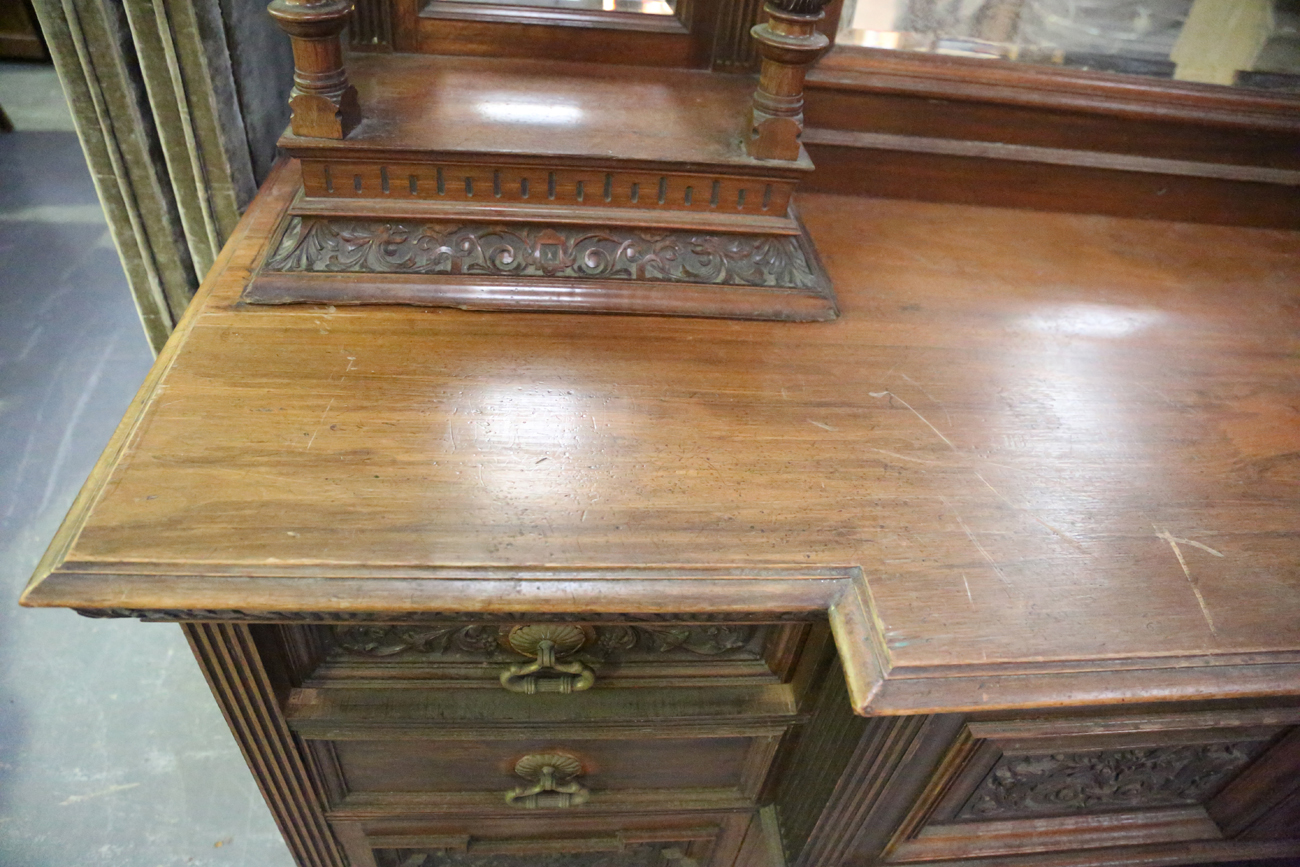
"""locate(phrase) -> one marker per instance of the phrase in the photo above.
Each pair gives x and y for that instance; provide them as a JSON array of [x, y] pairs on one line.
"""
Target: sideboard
[[1002, 567]]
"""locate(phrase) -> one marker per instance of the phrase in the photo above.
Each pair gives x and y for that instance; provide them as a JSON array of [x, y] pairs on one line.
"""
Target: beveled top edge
[[877, 687]]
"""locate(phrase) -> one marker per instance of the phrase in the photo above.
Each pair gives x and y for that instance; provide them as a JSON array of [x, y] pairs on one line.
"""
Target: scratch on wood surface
[[1064, 535], [821, 425], [933, 399], [1195, 544], [969, 598], [904, 457], [937, 432], [1015, 469], [1157, 393], [1200, 600], [321, 423], [976, 542]]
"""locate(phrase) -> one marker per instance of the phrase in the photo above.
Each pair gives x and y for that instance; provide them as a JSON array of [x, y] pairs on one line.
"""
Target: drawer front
[[470, 766], [665, 840], [555, 774], [581, 656], [670, 854]]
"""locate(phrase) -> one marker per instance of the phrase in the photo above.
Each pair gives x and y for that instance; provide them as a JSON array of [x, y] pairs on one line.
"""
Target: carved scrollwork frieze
[[391, 640], [619, 855], [489, 641], [1023, 786], [334, 245]]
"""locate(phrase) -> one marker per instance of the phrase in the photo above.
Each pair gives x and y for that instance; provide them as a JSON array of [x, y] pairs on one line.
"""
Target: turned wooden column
[[324, 103], [788, 42]]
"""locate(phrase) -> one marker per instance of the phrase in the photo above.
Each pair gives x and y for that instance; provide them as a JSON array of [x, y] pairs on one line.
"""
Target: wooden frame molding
[[930, 76], [1013, 787], [906, 125], [232, 665], [876, 686], [684, 39]]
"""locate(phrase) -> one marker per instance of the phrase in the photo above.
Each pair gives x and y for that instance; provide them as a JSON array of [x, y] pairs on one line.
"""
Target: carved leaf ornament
[[634, 855], [316, 244], [1063, 783], [489, 640], [391, 640]]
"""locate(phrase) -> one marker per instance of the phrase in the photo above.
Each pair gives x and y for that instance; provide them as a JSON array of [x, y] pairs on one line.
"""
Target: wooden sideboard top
[[1059, 453]]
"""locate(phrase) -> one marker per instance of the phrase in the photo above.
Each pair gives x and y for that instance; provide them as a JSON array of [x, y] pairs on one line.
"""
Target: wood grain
[[1073, 436], [423, 107], [711, 837], [900, 124], [700, 33], [1132, 97]]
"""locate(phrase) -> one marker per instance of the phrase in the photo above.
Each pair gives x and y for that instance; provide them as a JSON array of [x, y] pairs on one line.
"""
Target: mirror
[[1247, 43], [634, 7]]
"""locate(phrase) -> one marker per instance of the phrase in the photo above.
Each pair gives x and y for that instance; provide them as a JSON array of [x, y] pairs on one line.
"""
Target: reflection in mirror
[[1249, 43], [636, 7]]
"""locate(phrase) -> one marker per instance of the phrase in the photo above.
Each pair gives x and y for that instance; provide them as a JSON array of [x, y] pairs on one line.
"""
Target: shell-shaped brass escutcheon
[[565, 767], [564, 637], [553, 784], [547, 642]]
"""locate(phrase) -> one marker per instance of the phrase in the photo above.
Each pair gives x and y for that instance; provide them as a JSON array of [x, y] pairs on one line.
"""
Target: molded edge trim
[[1051, 156], [176, 592], [928, 76]]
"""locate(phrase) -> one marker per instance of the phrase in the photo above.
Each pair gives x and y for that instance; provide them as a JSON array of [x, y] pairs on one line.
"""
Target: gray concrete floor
[[112, 751]]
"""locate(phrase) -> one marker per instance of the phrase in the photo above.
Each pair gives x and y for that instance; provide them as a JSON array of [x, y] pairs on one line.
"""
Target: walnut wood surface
[[423, 106], [1061, 450], [900, 124], [712, 838], [324, 104], [909, 170], [699, 33], [1132, 97]]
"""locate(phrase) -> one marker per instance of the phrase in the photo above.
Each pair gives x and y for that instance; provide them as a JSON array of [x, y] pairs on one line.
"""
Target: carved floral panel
[[316, 244], [1064, 783], [487, 641], [641, 855]]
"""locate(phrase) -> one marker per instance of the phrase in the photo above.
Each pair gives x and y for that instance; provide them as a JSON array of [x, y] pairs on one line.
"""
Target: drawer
[[665, 840], [580, 655], [553, 774]]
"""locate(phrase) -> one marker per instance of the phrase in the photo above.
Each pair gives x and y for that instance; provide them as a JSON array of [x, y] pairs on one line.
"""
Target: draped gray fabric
[[178, 104]]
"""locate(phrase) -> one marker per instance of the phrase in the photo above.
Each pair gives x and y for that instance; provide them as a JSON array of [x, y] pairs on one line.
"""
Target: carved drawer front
[[556, 657], [617, 854], [1042, 786], [553, 774], [671, 840]]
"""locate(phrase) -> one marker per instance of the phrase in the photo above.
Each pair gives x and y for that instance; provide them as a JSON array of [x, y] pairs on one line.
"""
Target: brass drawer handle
[[553, 785], [546, 642]]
